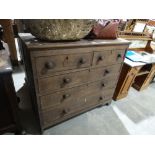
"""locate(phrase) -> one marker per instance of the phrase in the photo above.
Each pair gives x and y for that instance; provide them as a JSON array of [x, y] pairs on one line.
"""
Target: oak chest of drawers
[[68, 78]]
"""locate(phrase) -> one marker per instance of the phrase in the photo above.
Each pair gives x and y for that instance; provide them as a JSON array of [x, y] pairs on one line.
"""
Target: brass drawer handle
[[82, 61], [65, 96], [49, 65], [66, 80]]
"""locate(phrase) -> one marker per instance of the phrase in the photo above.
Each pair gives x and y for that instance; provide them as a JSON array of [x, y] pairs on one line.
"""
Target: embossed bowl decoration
[[59, 29]]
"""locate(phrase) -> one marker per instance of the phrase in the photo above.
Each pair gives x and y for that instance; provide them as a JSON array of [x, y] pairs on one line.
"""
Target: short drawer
[[119, 56], [47, 65], [63, 81], [105, 72], [75, 94], [100, 97], [108, 57]]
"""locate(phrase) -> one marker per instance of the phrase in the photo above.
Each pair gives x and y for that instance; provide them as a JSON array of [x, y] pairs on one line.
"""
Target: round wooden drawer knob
[[49, 65], [106, 72], [119, 56], [66, 96], [100, 58], [102, 84], [100, 98], [65, 111], [82, 61], [66, 80]]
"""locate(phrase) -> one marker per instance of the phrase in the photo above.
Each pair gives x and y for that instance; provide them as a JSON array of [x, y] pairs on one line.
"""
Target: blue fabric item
[[133, 56]]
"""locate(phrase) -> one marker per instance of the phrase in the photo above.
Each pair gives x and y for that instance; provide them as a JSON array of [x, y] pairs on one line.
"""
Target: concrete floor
[[132, 115]]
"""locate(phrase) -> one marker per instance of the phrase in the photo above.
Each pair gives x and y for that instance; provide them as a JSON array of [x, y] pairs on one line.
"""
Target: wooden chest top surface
[[34, 44]]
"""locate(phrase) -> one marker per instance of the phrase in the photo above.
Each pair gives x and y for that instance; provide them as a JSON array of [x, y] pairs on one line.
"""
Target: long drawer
[[77, 78], [63, 81], [76, 93], [69, 108], [48, 65]]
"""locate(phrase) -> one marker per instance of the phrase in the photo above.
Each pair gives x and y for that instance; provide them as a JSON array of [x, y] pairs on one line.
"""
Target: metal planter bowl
[[59, 29]]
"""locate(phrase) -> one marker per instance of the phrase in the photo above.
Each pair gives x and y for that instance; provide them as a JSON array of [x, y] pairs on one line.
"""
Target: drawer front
[[109, 57], [47, 65], [62, 97], [63, 81], [60, 112], [118, 56], [100, 97], [75, 94], [77, 78], [68, 109], [105, 72]]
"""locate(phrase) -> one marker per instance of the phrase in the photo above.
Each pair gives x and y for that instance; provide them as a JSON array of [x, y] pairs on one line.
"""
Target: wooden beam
[[9, 38]]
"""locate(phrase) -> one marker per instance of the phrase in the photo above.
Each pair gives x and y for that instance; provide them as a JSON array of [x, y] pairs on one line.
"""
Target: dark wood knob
[[65, 111], [119, 56], [100, 98], [100, 58], [49, 65], [66, 80], [106, 72], [82, 61], [102, 84], [66, 96]]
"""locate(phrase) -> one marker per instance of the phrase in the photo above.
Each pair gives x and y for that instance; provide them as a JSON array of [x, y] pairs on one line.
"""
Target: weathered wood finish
[[66, 77], [61, 97], [104, 58], [77, 78], [80, 103], [57, 63]]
